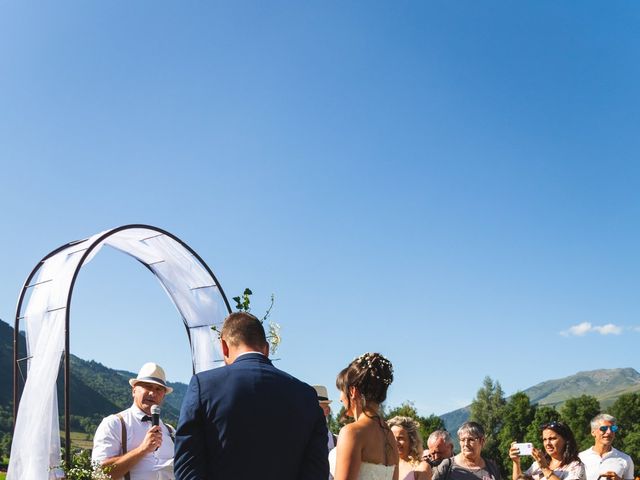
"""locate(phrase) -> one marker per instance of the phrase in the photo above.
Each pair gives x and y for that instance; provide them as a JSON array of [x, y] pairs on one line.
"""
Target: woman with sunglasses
[[558, 461]]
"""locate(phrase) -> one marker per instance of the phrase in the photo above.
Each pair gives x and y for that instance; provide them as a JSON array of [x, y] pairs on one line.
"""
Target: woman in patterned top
[[558, 461]]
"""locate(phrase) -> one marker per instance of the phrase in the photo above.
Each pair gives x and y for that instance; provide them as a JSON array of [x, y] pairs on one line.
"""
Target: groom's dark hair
[[242, 328]]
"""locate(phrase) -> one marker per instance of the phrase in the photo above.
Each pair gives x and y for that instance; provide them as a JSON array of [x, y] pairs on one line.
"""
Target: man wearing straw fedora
[[324, 402], [127, 442]]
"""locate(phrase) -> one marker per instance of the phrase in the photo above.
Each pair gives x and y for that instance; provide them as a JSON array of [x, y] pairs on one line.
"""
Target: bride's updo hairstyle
[[371, 374]]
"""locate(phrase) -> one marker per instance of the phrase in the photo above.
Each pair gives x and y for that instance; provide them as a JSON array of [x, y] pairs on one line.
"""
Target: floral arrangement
[[243, 304], [82, 468]]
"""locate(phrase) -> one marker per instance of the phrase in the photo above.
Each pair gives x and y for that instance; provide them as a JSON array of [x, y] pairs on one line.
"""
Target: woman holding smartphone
[[558, 461]]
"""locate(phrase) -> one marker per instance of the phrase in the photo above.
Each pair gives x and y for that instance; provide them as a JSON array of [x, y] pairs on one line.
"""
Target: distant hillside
[[605, 385], [96, 390], [455, 418], [6, 363]]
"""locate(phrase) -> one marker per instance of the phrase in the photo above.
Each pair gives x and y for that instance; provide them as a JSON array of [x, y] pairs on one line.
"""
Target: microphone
[[155, 415]]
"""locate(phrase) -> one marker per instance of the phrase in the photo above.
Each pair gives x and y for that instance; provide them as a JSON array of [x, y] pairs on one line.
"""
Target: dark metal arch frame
[[66, 358]]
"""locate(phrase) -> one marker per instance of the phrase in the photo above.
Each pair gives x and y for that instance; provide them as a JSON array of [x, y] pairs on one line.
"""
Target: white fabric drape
[[36, 441]]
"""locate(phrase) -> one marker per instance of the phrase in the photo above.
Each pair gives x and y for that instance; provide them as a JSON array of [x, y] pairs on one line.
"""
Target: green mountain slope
[[95, 390], [605, 385], [6, 363], [99, 390]]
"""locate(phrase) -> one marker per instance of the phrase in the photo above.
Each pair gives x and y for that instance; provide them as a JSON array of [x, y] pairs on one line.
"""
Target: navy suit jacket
[[249, 420]]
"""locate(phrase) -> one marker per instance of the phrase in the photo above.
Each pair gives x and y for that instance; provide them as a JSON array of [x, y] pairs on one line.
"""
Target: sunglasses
[[613, 428], [549, 425]]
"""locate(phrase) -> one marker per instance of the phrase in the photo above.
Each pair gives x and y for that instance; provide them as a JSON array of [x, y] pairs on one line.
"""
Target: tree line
[[517, 419]]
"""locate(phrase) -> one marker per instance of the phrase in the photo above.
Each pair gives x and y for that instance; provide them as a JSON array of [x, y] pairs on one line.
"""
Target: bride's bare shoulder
[[353, 431]]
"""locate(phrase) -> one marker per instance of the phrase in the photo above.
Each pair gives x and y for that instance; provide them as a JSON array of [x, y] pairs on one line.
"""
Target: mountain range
[[97, 391], [605, 384]]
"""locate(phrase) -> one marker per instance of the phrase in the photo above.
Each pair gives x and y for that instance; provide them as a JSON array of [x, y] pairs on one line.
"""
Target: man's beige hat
[[151, 373], [321, 391]]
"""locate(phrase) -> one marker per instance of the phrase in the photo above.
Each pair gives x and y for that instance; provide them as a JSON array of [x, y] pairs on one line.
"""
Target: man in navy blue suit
[[249, 420]]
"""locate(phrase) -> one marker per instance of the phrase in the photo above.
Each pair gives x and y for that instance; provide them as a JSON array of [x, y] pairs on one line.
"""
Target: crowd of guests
[[250, 420], [559, 458]]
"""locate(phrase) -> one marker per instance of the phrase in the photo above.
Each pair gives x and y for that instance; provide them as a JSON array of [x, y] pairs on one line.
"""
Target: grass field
[[78, 440]]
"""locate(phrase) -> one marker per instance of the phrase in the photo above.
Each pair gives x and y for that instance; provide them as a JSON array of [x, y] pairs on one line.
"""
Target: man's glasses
[[613, 428]]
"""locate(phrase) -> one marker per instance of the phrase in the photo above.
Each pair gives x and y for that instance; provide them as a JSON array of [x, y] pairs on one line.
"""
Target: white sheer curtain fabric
[[36, 442]]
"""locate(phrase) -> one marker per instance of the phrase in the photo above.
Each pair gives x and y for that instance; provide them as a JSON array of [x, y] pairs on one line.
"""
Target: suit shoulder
[[211, 374], [308, 393], [302, 386]]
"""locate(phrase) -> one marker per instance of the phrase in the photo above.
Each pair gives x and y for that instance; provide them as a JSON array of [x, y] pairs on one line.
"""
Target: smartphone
[[524, 448]]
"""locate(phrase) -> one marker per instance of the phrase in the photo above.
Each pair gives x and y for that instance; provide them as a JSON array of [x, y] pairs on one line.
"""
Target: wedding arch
[[185, 277]]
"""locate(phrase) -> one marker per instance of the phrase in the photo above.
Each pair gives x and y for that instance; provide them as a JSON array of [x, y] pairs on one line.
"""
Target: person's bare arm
[[423, 471], [514, 455], [349, 454]]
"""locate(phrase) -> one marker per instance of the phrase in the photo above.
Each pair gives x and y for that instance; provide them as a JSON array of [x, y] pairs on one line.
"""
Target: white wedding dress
[[368, 471]]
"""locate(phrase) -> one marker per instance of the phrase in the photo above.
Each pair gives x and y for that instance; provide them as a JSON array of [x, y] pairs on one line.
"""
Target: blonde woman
[[411, 466]]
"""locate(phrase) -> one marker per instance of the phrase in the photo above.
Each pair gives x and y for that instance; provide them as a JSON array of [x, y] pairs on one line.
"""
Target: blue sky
[[453, 184]]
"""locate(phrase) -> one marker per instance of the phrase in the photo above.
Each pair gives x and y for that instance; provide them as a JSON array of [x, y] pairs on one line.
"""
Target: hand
[[610, 475], [514, 453], [538, 456], [152, 440]]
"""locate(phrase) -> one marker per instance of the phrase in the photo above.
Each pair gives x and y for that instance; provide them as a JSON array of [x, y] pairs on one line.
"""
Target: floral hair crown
[[366, 359]]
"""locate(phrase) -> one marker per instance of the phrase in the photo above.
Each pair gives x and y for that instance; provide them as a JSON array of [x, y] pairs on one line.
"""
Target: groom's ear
[[225, 348]]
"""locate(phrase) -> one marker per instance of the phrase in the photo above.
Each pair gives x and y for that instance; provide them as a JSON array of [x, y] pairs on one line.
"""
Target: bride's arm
[[349, 454]]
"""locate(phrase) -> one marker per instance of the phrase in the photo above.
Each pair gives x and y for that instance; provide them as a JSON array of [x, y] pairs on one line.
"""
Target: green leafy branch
[[243, 304]]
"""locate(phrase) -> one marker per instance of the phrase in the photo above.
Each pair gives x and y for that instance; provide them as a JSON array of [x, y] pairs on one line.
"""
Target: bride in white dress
[[367, 449]]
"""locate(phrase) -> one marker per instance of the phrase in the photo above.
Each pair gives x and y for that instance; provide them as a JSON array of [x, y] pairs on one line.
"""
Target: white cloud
[[578, 330], [608, 329], [583, 328]]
